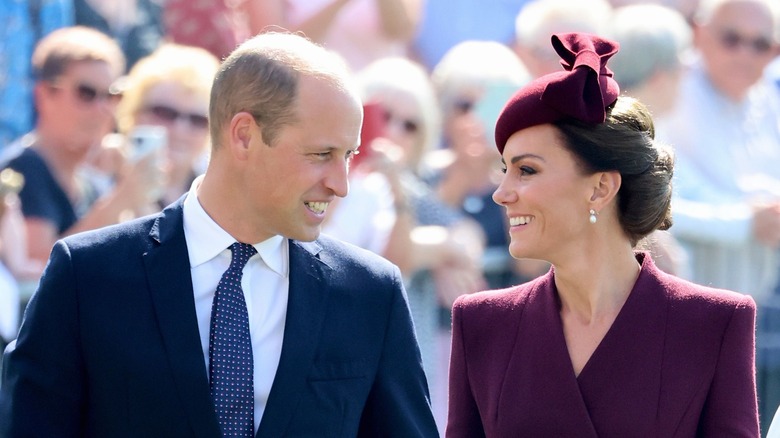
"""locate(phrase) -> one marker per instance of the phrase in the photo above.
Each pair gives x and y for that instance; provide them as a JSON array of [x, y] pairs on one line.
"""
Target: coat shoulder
[[686, 294], [498, 301]]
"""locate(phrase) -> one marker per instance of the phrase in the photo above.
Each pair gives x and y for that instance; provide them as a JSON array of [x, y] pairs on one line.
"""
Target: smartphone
[[147, 139], [373, 127]]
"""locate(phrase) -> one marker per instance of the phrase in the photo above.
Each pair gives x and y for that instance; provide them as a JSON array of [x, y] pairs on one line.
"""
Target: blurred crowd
[[104, 118]]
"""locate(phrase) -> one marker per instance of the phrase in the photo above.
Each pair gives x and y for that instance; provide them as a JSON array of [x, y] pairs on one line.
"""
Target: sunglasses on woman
[[409, 126], [169, 115]]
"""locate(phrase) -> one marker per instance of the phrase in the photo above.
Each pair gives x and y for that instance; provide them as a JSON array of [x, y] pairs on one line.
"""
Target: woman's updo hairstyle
[[625, 143]]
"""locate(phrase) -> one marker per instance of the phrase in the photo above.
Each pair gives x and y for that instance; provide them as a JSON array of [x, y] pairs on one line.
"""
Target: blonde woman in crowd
[[472, 81], [438, 248], [170, 89]]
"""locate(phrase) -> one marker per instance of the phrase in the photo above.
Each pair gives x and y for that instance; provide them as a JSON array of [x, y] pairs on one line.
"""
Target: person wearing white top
[[774, 428], [725, 131]]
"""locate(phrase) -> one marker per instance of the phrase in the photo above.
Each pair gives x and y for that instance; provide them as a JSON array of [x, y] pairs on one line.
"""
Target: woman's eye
[[525, 170]]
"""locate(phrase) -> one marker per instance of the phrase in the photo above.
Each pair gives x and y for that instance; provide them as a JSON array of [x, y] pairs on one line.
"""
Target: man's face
[[736, 46], [77, 105], [291, 182]]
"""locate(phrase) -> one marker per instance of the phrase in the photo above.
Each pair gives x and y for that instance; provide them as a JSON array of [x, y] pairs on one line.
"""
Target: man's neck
[[58, 154]]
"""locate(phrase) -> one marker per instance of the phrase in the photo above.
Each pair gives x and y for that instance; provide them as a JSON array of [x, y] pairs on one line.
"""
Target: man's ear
[[605, 188], [242, 130], [41, 90]]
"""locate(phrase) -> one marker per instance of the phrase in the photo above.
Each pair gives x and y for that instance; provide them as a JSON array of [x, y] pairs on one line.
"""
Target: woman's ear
[[605, 188]]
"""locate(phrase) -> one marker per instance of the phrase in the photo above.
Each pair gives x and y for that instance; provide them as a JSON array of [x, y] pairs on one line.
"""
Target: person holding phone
[[76, 70], [166, 96]]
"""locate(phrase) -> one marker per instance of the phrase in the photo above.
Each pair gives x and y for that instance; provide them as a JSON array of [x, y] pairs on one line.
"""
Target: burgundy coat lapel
[[540, 382], [628, 362]]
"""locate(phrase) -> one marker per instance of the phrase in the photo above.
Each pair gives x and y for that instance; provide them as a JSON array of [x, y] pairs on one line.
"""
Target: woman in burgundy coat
[[604, 344]]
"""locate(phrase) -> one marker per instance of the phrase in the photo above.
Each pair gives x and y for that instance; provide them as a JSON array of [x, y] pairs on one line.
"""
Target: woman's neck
[[596, 287]]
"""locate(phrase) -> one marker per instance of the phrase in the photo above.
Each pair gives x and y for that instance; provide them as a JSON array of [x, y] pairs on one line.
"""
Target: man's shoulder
[[125, 234], [345, 252], [348, 267], [20, 156]]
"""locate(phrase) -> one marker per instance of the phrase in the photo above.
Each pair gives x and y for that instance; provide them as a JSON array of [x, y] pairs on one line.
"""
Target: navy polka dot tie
[[230, 350]]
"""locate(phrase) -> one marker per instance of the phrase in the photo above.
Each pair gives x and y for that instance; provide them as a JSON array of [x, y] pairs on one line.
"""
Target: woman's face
[[184, 113], [545, 193], [403, 124], [465, 133]]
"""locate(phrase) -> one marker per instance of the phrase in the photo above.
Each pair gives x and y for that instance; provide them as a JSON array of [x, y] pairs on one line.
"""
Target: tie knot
[[242, 252]]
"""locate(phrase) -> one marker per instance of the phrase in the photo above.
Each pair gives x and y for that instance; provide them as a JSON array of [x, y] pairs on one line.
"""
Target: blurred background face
[[403, 123], [78, 105], [539, 57], [736, 46], [183, 113], [465, 133], [470, 121]]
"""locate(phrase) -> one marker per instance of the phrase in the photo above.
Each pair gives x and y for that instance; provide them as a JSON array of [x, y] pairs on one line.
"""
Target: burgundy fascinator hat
[[582, 91]]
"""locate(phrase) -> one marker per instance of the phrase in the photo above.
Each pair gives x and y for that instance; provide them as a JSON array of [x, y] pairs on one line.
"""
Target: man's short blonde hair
[[261, 78]]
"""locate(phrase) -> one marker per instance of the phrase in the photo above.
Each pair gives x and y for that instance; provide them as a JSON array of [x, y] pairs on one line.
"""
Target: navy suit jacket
[[109, 346], [678, 361]]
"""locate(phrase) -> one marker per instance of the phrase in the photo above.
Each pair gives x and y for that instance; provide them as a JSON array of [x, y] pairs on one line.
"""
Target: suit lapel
[[170, 283], [305, 314]]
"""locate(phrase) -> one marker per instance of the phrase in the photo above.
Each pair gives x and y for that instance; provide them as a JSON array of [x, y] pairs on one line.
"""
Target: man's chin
[[308, 235]]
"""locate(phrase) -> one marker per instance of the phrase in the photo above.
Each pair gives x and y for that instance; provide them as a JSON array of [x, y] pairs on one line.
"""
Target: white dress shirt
[[265, 283], [774, 428]]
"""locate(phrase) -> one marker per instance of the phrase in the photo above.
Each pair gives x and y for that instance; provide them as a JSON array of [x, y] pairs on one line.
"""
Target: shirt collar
[[206, 239]]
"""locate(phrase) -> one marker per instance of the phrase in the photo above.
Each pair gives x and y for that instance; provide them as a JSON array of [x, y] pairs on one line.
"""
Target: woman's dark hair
[[625, 143]]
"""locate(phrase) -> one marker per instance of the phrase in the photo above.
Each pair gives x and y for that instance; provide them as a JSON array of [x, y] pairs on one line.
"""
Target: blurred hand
[[383, 155], [766, 224], [141, 181], [452, 282], [461, 270], [387, 158]]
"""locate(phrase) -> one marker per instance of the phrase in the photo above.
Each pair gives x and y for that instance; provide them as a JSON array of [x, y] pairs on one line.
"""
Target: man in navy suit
[[115, 342]]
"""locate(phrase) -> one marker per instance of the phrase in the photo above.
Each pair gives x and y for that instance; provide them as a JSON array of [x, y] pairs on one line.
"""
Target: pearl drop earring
[[593, 217]]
